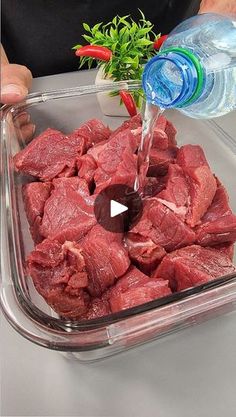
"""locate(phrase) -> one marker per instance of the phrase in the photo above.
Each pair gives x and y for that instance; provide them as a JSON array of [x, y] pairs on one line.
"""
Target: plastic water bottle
[[195, 70]]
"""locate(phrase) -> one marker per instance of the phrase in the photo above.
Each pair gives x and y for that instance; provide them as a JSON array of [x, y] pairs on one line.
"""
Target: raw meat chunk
[[49, 155], [191, 156], [86, 168], [143, 252], [164, 134], [68, 213], [171, 132], [135, 288], [176, 192], [59, 275], [116, 161], [218, 225], [227, 248], [133, 124], [98, 307], [105, 257], [193, 265], [202, 191], [153, 186], [202, 184], [132, 279], [93, 131], [160, 160], [35, 195], [163, 227]]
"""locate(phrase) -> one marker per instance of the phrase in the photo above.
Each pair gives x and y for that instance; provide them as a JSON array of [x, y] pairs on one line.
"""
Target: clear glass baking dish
[[24, 307]]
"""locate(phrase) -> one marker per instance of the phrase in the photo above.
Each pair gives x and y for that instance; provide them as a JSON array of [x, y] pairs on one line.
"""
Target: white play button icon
[[117, 208]]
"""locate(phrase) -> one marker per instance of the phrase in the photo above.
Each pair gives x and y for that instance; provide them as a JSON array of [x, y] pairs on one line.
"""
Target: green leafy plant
[[130, 43]]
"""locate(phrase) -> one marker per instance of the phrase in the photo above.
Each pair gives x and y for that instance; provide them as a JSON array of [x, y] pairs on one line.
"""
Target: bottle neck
[[173, 78]]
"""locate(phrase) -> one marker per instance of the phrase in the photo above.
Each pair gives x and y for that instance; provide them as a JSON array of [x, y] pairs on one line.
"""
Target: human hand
[[15, 83], [218, 6]]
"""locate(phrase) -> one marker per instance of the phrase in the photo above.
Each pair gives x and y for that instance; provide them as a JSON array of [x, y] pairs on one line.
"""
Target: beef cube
[[105, 257], [164, 134], [68, 212], [116, 161], [134, 123], [49, 155], [99, 307], [171, 133], [227, 248], [202, 184], [93, 131], [135, 288], [190, 186], [160, 160], [59, 275], [202, 190], [163, 227], [35, 195], [133, 278], [143, 252], [87, 166], [218, 225], [192, 266], [176, 192], [153, 186], [191, 156]]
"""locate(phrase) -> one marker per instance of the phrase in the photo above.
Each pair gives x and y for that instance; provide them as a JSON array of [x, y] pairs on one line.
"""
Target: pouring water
[[151, 114]]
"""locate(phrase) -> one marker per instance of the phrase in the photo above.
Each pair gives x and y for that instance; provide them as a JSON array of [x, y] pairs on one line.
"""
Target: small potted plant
[[121, 48]]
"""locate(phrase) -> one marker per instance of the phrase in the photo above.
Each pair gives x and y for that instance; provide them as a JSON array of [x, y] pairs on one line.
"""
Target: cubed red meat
[[116, 161], [86, 166], [143, 252], [175, 195], [135, 288], [59, 275], [105, 257], [35, 195], [132, 123], [160, 161], [93, 131], [99, 307], [49, 155], [202, 184], [191, 156], [163, 227], [164, 134], [193, 265], [227, 248], [218, 225], [68, 212]]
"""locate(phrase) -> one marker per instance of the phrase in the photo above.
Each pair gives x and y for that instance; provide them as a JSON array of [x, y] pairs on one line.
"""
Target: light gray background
[[189, 374]]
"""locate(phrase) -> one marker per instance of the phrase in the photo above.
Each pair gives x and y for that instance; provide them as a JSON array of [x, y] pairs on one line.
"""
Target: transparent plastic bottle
[[195, 70]]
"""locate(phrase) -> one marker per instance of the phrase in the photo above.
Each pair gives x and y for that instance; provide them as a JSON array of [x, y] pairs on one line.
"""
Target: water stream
[[151, 115]]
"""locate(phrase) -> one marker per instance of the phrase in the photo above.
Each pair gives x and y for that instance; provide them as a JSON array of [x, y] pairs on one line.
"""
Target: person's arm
[[15, 81], [218, 6]]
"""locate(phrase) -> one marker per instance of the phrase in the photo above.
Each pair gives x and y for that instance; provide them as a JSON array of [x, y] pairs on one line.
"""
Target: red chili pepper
[[157, 44], [94, 51], [128, 102]]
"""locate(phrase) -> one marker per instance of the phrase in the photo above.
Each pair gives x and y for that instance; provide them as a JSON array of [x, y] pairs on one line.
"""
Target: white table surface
[[189, 374]]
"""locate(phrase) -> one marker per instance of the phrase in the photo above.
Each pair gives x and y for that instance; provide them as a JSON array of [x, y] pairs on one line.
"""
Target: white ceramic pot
[[110, 106]]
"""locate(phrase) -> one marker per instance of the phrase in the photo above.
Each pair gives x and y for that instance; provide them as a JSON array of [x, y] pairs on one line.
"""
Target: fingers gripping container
[[25, 309]]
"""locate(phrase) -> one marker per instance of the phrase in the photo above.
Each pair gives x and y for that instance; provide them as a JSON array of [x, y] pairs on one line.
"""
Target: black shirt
[[41, 33]]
